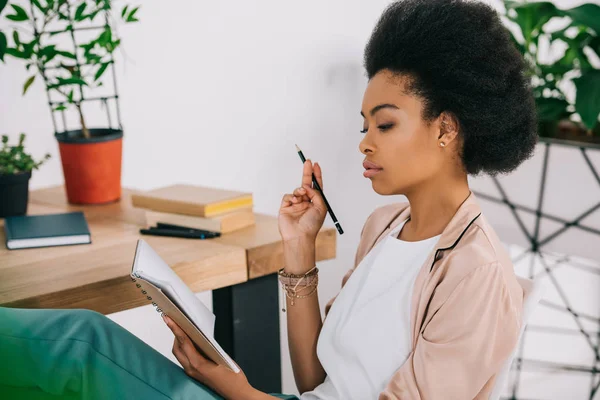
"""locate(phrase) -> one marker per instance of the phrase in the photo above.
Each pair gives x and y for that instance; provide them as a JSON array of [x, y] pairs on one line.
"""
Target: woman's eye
[[382, 128]]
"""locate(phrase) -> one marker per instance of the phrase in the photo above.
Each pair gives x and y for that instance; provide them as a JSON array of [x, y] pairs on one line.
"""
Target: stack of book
[[197, 207]]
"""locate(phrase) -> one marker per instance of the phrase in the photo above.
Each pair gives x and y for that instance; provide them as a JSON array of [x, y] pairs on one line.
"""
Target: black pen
[[318, 187], [162, 225], [175, 233]]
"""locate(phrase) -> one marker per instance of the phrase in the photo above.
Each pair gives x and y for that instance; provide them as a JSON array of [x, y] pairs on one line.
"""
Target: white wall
[[217, 93]]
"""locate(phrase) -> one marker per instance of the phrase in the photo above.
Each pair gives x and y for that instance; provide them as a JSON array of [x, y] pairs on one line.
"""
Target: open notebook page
[[149, 266]]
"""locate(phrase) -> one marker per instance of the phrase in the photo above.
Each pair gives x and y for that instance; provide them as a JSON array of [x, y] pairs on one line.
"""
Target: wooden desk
[[239, 267]]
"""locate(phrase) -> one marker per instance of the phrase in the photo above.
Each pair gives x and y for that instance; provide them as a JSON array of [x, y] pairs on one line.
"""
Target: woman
[[431, 308]]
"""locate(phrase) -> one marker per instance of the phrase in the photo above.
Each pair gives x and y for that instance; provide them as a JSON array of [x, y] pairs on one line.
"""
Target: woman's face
[[405, 148]]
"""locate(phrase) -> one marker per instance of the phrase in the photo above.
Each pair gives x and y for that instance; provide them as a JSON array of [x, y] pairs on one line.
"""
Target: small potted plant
[[69, 45], [15, 171], [561, 115]]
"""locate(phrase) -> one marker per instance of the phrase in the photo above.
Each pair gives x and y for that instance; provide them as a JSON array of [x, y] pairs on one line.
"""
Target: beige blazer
[[466, 308]]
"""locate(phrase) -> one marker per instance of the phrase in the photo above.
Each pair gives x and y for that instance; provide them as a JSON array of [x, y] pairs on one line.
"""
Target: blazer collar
[[468, 211]]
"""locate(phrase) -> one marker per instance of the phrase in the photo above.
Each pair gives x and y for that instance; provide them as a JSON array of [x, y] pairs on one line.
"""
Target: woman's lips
[[371, 172], [371, 168]]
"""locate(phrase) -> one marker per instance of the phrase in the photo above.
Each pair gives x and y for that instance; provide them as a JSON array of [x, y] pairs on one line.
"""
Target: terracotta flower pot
[[91, 167], [14, 194]]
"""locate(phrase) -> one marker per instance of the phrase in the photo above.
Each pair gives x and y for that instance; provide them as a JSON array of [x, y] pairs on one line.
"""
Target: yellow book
[[224, 223], [192, 200]]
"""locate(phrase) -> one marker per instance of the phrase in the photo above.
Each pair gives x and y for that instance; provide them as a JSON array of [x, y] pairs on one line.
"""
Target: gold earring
[[442, 144]]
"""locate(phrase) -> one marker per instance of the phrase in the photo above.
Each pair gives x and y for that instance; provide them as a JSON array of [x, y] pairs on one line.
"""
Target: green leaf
[[587, 98], [595, 44], [61, 107], [79, 12], [39, 5], [15, 53], [19, 15], [88, 46], [28, 83], [587, 15], [131, 17], [551, 109], [3, 45], [28, 48], [92, 15], [16, 38], [105, 37], [92, 58], [557, 69], [62, 16], [67, 81], [48, 52], [67, 54], [101, 71], [3, 4], [49, 58], [531, 17], [567, 60], [124, 11], [70, 96], [113, 45], [104, 4]]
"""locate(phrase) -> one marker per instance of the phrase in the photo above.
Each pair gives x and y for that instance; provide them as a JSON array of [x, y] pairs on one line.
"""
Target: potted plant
[[15, 170], [560, 115], [69, 44]]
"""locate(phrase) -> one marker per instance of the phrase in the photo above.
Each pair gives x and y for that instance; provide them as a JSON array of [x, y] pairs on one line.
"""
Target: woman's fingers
[[318, 174], [287, 200], [298, 197], [315, 197], [184, 350], [185, 343], [307, 172], [301, 194], [180, 355]]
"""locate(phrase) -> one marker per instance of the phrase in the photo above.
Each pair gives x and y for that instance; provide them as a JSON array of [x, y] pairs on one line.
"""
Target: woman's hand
[[302, 213], [227, 383]]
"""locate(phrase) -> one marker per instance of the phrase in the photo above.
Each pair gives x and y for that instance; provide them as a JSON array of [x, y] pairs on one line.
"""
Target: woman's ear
[[448, 129]]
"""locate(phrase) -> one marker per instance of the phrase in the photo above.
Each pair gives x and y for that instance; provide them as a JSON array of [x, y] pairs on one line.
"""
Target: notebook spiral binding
[[158, 309]]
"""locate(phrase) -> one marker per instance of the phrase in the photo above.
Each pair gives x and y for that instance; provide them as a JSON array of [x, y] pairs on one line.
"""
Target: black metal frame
[[247, 327], [536, 245], [104, 99]]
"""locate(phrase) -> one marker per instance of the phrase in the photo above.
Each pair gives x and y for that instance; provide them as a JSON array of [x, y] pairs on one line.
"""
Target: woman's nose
[[365, 146]]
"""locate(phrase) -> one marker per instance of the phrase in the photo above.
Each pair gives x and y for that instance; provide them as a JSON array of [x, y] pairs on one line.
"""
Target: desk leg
[[247, 327]]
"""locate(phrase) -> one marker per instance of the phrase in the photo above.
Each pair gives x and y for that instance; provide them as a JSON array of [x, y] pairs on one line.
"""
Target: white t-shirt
[[366, 336]]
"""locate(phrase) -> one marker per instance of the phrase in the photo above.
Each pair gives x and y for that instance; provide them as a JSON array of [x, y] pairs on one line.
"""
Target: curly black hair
[[460, 59]]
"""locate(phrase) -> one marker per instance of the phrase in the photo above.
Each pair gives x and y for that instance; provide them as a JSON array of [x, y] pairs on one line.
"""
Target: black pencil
[[318, 187]]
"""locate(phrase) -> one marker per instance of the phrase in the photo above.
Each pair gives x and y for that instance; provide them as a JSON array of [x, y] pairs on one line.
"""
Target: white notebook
[[161, 285]]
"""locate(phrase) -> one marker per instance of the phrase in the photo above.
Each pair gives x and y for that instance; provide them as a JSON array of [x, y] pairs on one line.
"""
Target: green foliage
[[14, 159], [587, 101], [63, 69], [28, 83], [581, 35], [19, 14], [3, 44]]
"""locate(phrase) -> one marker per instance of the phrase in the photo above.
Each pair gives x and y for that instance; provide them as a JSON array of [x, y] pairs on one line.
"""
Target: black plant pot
[[14, 194]]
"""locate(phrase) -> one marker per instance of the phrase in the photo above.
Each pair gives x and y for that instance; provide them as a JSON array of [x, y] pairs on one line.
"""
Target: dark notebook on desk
[[29, 231]]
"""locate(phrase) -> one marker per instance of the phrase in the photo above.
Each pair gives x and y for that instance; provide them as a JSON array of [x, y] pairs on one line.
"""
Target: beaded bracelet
[[293, 279], [291, 282]]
